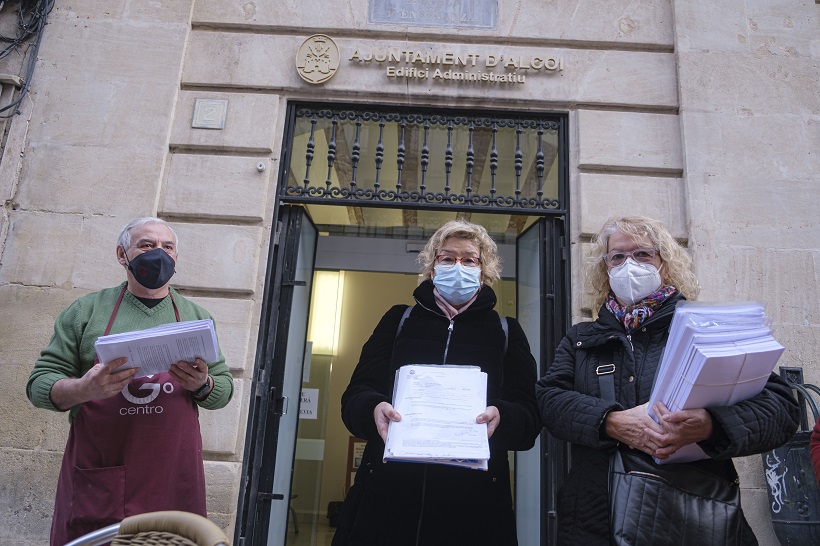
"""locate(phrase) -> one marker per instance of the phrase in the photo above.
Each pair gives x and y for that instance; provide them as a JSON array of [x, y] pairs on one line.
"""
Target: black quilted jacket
[[572, 410], [397, 504]]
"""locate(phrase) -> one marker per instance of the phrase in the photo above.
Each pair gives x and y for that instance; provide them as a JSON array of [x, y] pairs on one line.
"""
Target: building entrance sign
[[451, 66], [319, 57]]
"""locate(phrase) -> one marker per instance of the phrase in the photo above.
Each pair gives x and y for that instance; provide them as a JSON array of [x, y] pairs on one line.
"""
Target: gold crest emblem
[[317, 59]]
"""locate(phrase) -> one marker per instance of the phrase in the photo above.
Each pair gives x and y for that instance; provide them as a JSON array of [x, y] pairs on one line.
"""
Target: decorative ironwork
[[425, 155], [539, 163], [522, 154], [331, 152], [400, 155], [470, 161], [355, 155]]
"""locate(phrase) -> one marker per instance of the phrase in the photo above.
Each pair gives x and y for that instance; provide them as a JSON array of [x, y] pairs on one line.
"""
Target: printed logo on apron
[[153, 392]]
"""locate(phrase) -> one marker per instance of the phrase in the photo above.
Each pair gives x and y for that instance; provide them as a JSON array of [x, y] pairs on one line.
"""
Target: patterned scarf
[[634, 315]]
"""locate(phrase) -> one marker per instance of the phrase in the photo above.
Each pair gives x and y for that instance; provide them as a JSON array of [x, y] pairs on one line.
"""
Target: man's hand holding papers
[[154, 350]]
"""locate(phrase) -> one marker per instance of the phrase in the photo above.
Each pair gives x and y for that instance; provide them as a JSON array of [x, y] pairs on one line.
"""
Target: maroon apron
[[139, 451]]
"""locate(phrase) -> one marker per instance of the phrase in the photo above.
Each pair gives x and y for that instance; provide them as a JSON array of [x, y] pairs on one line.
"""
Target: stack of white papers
[[438, 407], [155, 349], [717, 354]]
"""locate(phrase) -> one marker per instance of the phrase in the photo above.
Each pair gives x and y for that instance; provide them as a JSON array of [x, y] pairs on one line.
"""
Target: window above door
[[426, 159]]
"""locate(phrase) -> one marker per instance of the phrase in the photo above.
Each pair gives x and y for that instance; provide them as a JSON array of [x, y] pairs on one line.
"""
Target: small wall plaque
[[210, 113], [479, 14]]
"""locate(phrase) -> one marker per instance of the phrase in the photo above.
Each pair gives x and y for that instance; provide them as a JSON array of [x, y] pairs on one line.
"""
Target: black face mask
[[152, 269]]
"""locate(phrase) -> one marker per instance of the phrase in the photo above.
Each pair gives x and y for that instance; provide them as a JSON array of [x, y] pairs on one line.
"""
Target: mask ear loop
[[127, 261], [664, 271]]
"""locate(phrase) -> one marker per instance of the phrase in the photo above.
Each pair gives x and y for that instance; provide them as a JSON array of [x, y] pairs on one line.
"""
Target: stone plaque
[[317, 59], [435, 13], [210, 113]]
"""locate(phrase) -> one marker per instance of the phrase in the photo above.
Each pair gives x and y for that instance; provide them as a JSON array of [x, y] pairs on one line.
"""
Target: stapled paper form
[[439, 406]]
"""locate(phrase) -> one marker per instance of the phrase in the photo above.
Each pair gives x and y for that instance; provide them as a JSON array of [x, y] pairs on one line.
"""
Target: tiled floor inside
[[315, 533]]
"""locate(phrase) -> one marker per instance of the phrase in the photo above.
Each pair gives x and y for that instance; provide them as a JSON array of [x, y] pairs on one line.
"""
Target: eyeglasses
[[617, 257], [450, 261]]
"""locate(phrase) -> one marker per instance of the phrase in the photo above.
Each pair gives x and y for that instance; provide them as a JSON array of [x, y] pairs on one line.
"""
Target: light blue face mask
[[457, 284]]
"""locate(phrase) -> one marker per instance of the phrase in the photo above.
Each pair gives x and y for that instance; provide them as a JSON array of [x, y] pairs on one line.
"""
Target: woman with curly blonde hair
[[453, 323], [596, 392], [466, 231], [677, 265]]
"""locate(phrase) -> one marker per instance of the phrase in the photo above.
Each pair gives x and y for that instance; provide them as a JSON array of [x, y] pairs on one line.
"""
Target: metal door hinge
[[260, 390], [278, 406], [276, 233]]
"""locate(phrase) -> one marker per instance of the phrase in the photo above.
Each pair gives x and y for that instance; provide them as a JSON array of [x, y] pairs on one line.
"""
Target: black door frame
[[266, 402], [265, 406], [555, 292]]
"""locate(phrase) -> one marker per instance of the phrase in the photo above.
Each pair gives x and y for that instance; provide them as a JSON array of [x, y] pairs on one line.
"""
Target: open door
[[541, 276], [274, 409]]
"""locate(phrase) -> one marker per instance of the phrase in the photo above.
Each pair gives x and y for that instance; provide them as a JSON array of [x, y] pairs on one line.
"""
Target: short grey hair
[[124, 239]]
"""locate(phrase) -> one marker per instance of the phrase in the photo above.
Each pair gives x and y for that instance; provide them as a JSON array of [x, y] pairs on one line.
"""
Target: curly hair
[[462, 229], [678, 263]]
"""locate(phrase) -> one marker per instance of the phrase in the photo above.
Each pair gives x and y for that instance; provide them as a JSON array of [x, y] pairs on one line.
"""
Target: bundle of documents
[[717, 354], [438, 407], [155, 349]]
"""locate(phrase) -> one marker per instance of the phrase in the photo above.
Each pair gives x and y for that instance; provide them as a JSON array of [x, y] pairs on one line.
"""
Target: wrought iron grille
[[429, 159]]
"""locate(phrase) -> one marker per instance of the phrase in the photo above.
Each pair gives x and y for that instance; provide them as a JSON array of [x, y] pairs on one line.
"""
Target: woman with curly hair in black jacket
[[638, 273]]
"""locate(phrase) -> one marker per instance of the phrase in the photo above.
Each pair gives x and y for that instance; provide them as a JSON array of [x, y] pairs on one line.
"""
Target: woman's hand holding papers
[[492, 417], [383, 414], [636, 429], [630, 427], [681, 428]]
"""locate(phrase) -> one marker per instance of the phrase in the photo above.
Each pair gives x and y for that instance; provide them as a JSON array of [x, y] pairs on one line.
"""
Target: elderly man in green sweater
[[134, 445]]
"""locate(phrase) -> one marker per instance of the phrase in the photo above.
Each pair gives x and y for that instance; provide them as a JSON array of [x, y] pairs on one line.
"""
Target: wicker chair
[[169, 528]]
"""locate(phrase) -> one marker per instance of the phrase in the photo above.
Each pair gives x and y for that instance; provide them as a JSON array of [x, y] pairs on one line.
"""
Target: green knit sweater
[[70, 353]]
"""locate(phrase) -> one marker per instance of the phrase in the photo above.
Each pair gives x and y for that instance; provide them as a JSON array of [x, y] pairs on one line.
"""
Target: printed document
[[717, 354], [155, 349], [438, 406]]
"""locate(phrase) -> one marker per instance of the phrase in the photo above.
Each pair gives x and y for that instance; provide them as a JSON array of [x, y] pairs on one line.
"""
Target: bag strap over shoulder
[[606, 381], [502, 320], [403, 318], [506, 332]]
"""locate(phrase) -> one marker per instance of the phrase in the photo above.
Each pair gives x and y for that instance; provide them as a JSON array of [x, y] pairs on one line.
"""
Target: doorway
[[342, 254]]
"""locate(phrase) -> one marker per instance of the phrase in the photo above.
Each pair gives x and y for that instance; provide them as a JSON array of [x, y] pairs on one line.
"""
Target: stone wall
[[750, 126], [702, 115], [96, 154]]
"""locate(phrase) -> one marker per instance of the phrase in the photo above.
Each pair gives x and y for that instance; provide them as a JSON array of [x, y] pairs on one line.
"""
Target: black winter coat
[[572, 410], [397, 504]]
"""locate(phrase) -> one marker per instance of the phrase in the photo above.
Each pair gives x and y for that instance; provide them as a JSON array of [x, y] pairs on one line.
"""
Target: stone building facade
[[703, 114]]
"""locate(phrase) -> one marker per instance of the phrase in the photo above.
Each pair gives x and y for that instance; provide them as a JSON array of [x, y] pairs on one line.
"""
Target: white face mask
[[632, 281]]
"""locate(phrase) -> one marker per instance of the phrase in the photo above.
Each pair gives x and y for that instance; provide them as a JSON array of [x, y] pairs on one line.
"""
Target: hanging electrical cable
[[32, 17]]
